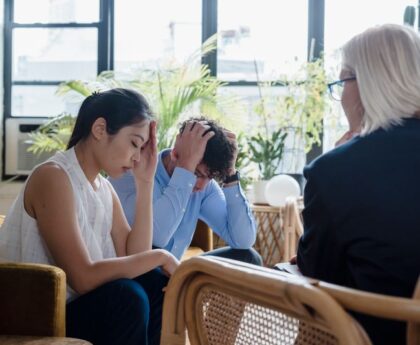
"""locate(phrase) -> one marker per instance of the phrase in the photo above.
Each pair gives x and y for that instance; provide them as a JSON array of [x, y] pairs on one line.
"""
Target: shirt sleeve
[[319, 255], [125, 187], [228, 213], [169, 205]]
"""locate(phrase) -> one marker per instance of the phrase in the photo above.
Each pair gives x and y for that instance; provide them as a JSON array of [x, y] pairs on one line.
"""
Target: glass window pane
[[36, 101], [56, 11], [150, 33], [264, 37], [245, 119], [54, 54], [340, 26]]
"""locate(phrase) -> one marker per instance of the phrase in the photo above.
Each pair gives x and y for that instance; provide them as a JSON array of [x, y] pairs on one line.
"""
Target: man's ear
[[174, 155], [99, 128]]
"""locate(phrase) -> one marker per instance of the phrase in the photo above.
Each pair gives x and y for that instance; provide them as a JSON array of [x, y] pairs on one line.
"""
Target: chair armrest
[[32, 299]]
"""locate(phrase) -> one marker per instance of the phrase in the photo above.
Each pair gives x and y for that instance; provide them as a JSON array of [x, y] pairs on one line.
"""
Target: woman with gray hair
[[361, 223]]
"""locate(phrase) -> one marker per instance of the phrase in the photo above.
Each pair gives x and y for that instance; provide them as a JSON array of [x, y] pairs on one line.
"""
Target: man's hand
[[232, 139], [191, 143], [145, 169]]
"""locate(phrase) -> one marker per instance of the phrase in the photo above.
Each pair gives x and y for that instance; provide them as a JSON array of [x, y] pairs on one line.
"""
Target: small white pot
[[259, 192]]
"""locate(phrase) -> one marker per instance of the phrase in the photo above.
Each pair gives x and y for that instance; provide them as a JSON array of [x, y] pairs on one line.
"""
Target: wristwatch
[[232, 178]]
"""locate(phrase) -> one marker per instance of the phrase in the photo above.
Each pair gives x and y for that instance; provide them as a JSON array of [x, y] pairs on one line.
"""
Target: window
[[47, 42], [266, 37], [149, 33], [340, 26]]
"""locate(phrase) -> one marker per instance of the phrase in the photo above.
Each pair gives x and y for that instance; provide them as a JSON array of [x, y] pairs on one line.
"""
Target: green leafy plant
[[174, 91], [297, 110], [267, 151], [53, 135]]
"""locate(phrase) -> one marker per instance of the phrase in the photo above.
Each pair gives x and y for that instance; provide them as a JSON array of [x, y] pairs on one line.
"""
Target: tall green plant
[[298, 110], [172, 90]]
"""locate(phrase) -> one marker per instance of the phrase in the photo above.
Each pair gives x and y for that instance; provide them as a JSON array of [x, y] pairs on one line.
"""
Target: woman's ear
[[99, 128]]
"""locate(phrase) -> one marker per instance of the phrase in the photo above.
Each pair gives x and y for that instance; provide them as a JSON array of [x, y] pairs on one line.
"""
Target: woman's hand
[[170, 264], [145, 169]]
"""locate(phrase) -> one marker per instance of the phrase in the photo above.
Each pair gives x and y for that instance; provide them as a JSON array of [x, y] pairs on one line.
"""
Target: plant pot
[[258, 188]]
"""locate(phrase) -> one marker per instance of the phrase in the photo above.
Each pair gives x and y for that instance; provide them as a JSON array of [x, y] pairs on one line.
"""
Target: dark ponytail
[[119, 107]]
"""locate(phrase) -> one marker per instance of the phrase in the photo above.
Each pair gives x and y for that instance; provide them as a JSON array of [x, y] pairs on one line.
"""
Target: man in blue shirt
[[185, 191]]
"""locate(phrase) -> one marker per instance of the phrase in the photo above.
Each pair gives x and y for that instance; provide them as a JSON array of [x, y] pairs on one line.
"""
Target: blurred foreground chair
[[382, 306], [220, 301], [32, 305]]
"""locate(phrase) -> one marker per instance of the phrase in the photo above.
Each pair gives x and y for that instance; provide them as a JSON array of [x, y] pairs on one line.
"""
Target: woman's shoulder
[[48, 175]]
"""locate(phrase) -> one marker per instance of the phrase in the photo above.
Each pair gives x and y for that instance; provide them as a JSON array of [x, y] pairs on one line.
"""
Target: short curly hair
[[219, 150]]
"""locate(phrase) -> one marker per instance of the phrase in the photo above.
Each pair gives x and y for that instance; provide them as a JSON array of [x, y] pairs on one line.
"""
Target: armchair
[[220, 301], [32, 305]]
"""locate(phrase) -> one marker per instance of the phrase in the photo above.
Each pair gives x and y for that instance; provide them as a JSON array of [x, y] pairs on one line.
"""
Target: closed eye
[[134, 144]]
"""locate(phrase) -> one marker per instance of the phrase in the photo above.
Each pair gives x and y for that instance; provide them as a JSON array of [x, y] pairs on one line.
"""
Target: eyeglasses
[[336, 88]]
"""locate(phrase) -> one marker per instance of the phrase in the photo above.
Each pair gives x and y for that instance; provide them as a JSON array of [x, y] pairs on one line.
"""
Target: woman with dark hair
[[68, 215]]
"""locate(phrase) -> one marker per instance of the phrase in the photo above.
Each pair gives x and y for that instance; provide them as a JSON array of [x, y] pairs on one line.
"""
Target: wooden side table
[[278, 231], [270, 237]]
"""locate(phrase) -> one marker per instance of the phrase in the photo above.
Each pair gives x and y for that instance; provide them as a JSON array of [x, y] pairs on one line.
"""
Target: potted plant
[[266, 150]]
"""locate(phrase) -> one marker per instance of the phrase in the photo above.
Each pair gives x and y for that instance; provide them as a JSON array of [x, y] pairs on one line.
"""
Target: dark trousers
[[124, 311], [250, 256]]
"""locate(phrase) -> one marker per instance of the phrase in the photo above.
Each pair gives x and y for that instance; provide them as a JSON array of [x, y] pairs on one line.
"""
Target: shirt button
[[190, 184], [183, 210], [237, 195]]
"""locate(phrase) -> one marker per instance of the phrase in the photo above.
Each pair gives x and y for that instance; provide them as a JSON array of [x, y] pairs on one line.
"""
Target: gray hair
[[386, 63]]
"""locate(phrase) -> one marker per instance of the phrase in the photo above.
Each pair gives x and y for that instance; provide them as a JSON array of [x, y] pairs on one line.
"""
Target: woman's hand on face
[[144, 170]]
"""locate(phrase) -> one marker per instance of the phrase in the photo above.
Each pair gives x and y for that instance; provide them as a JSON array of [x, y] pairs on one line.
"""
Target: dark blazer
[[362, 218]]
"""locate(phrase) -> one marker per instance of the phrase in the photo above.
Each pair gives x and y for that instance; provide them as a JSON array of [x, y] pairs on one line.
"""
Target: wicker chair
[[383, 306], [220, 301]]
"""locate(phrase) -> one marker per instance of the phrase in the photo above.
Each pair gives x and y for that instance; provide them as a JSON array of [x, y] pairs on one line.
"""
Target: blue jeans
[[250, 255], [123, 311]]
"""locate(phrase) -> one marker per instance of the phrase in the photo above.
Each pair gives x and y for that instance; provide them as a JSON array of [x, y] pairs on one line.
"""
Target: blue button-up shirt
[[176, 209]]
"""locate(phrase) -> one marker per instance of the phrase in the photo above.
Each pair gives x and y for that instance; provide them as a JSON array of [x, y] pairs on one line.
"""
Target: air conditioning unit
[[18, 161]]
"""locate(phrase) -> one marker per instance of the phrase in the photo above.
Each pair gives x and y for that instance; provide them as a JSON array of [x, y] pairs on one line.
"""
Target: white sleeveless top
[[20, 240]]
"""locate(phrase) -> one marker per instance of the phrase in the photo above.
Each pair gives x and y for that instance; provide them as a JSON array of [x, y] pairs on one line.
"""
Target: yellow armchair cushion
[[32, 300]]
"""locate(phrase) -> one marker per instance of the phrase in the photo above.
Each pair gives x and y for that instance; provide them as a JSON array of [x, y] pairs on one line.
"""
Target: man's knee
[[250, 255], [254, 257]]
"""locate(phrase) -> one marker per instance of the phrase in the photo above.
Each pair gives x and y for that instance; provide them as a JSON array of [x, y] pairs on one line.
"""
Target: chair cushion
[[26, 340]]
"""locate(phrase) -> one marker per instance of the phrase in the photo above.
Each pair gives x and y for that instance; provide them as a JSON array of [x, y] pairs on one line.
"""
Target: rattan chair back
[[220, 301]]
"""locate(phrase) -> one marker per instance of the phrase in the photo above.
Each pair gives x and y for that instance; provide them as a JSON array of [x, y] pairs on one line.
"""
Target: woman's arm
[[49, 199]]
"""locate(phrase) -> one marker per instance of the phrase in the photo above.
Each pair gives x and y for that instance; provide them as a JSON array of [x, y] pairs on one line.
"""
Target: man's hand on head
[[232, 139], [191, 143]]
